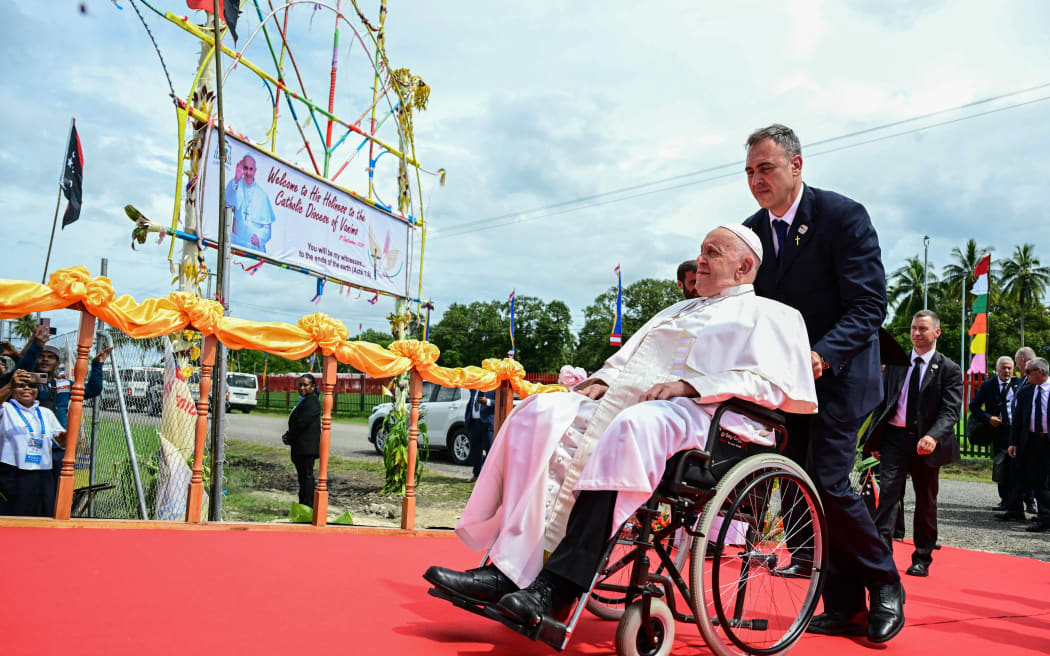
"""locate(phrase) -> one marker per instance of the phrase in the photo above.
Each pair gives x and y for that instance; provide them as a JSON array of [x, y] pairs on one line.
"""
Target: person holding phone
[[28, 432]]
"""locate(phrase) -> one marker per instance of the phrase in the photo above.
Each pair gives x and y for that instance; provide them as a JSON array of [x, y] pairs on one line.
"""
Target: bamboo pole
[[408, 503], [64, 498], [195, 496], [327, 402]]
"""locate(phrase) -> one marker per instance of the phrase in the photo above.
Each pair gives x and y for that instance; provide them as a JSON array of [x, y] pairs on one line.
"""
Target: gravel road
[[965, 518]]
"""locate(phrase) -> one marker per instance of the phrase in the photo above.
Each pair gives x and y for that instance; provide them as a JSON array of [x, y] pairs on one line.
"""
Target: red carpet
[[161, 591]]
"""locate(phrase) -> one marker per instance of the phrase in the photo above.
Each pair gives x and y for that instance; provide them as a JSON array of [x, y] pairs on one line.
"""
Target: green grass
[[969, 469]]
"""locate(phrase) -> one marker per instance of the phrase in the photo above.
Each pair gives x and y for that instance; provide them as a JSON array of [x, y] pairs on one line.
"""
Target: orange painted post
[[64, 498], [504, 404], [408, 503], [195, 496], [321, 493]]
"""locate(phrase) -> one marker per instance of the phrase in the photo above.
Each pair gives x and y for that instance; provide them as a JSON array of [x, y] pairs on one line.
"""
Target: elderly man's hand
[[1011, 451], [594, 391], [926, 445], [995, 421], [664, 391]]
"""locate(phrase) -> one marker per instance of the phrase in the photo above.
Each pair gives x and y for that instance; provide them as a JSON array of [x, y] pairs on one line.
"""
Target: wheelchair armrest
[[772, 418]]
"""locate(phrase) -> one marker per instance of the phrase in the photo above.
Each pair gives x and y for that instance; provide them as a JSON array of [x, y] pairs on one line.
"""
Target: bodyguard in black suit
[[992, 405], [1029, 442], [304, 436], [480, 419], [828, 266], [914, 433]]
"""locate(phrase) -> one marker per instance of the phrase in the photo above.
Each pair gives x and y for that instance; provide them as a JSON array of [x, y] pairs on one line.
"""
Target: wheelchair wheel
[[764, 513], [633, 640], [609, 597]]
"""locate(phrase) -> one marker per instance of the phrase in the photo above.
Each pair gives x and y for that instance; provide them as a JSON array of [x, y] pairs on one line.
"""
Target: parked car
[[442, 410], [137, 383], [241, 391], [109, 390]]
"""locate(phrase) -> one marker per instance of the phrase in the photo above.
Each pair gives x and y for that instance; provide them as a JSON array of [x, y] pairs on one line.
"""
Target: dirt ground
[[439, 499]]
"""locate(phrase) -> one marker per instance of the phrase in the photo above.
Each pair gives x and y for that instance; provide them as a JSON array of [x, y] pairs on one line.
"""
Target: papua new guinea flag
[[73, 177]]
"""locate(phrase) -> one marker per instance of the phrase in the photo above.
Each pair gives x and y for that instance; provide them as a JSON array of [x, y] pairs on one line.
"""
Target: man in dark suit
[[480, 418], [1029, 442], [828, 266], [992, 405], [1019, 496], [914, 433]]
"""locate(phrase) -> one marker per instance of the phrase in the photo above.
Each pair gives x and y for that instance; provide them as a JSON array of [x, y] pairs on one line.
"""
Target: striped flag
[[979, 329], [511, 352], [616, 338]]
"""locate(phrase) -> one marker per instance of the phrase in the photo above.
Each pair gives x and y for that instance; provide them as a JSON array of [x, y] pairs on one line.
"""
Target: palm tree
[[906, 287], [24, 326], [960, 272], [1024, 281]]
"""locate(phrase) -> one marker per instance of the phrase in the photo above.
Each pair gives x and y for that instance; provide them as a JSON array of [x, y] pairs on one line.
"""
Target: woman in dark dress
[[304, 436]]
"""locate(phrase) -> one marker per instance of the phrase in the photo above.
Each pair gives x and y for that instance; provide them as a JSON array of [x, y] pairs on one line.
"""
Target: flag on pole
[[511, 352], [616, 338], [72, 177], [979, 329], [228, 12]]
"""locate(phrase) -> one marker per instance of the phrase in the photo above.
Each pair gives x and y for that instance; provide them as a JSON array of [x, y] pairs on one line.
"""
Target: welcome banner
[[291, 217]]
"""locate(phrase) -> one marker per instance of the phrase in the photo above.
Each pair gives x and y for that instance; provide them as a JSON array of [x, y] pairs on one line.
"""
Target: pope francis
[[566, 470]]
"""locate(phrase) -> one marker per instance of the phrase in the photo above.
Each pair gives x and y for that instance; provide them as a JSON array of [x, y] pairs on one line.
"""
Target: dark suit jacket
[[987, 403], [304, 427], [940, 399], [488, 412], [1022, 417], [840, 289]]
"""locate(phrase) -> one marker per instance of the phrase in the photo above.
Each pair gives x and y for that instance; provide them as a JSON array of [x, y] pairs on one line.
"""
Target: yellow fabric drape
[[178, 310]]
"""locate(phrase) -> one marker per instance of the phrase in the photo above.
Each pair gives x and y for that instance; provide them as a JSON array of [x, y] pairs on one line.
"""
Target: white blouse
[[27, 435]]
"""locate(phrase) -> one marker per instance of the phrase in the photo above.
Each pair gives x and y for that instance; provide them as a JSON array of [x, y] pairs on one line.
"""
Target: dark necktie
[[911, 413], [781, 228], [1038, 410]]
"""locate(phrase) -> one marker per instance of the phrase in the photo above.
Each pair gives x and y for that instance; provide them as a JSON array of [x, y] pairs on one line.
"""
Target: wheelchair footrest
[[548, 630]]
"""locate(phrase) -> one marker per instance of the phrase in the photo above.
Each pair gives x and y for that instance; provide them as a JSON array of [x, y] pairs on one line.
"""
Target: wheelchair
[[736, 512]]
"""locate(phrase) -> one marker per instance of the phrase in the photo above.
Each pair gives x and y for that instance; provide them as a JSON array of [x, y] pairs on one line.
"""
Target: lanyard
[[29, 426]]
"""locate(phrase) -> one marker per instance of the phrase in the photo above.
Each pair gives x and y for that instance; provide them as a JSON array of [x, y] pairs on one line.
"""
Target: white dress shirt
[[1045, 387], [902, 401], [788, 218]]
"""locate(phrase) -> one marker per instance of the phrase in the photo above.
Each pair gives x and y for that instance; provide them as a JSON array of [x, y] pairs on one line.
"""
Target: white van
[[241, 390], [137, 384]]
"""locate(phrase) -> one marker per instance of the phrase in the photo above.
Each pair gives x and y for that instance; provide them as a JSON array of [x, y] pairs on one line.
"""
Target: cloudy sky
[[576, 136]]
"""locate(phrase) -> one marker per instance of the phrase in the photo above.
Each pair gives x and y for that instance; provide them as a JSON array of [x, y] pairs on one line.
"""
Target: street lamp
[[925, 271]]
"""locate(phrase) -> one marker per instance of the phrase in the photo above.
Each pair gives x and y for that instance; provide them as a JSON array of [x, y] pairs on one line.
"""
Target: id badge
[[33, 458], [35, 443]]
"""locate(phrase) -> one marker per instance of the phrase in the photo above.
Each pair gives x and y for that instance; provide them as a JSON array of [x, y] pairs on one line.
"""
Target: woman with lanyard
[[304, 436], [27, 433]]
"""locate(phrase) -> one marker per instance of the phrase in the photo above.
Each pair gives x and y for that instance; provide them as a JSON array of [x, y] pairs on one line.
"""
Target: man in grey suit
[[914, 434]]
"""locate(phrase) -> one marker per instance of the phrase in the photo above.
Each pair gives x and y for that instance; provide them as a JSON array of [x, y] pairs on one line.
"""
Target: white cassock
[[552, 446], [252, 214]]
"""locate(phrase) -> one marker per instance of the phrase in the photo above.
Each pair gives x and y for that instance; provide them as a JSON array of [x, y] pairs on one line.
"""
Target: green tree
[[1024, 281], [960, 271], [905, 293], [467, 334], [24, 326], [641, 300]]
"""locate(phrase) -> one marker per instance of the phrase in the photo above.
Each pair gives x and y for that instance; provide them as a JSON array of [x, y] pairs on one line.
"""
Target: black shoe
[[794, 571], [1029, 507], [918, 569], [1010, 517], [885, 611], [484, 585], [1001, 507], [1038, 527], [839, 624], [543, 597]]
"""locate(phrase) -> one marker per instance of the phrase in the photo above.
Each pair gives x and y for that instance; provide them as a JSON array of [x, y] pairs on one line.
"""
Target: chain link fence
[[135, 447]]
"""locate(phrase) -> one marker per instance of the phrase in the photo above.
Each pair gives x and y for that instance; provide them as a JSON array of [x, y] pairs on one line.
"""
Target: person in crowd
[[567, 469], [823, 259], [304, 436], [1029, 443], [480, 418], [687, 279], [992, 405], [27, 433], [914, 433], [1020, 497]]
